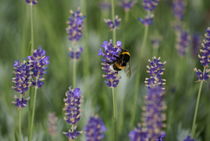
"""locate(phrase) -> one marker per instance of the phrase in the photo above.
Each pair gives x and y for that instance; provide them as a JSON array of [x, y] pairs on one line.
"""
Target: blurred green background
[[50, 18]]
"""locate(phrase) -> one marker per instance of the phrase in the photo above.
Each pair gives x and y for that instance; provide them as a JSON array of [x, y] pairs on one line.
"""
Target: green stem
[[196, 107], [86, 49], [126, 16], [146, 29], [32, 30], [114, 113], [133, 116], [33, 113], [113, 17], [20, 124], [74, 73]]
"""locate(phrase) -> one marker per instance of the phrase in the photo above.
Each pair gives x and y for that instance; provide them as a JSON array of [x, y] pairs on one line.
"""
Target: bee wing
[[128, 69]]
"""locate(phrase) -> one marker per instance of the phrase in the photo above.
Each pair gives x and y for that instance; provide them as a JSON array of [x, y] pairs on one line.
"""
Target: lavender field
[[105, 70]]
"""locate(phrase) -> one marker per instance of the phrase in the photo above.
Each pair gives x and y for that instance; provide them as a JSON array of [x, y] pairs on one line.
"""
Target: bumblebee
[[122, 61]]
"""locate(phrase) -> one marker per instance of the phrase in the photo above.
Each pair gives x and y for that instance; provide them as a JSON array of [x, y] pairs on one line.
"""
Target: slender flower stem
[[86, 70], [113, 16], [196, 107], [114, 113], [126, 16], [146, 29], [74, 73], [33, 113], [32, 30], [19, 124]]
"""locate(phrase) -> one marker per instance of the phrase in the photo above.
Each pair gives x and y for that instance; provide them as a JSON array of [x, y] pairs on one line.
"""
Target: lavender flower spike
[[95, 129], [21, 82], [148, 20], [75, 53], [183, 41], [150, 5], [178, 9], [110, 52], [32, 2], [22, 77], [127, 4], [153, 115], [38, 64], [75, 25], [72, 111], [188, 138], [72, 106], [204, 55], [113, 24]]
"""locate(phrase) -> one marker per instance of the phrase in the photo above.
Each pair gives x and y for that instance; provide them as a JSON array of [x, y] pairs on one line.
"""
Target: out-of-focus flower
[[20, 102], [32, 2], [202, 76], [156, 42], [110, 53], [95, 129], [127, 4], [138, 134], [75, 25], [75, 53], [195, 44], [183, 41], [154, 115], [52, 124], [105, 5], [38, 64], [178, 9], [188, 138], [150, 5], [148, 20], [204, 54], [113, 24], [22, 78]]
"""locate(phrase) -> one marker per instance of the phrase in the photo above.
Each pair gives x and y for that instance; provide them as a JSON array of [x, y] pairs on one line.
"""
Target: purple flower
[[153, 115], [188, 138], [183, 41], [156, 42], [148, 20], [178, 9], [38, 64], [202, 76], [195, 44], [20, 102], [110, 53], [127, 4], [95, 129], [22, 76], [204, 55], [138, 134], [105, 5], [72, 106], [75, 53], [150, 5], [113, 24], [155, 70], [72, 134], [32, 2], [75, 25]]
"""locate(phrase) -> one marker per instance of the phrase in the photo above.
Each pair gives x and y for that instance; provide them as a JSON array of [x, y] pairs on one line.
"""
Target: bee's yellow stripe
[[119, 66], [126, 52]]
